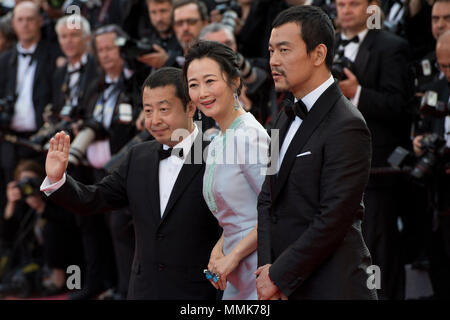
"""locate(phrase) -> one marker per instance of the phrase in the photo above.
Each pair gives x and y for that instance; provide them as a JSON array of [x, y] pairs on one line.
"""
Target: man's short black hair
[[315, 25], [165, 77]]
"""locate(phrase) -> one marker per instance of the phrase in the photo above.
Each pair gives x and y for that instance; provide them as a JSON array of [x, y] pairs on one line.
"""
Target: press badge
[[125, 113], [426, 67]]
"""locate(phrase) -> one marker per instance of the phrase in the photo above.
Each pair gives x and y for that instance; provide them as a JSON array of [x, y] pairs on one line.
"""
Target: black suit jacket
[[88, 76], [45, 55], [382, 69], [172, 251], [309, 225]]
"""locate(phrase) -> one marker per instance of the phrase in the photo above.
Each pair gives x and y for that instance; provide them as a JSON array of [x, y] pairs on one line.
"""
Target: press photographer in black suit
[[439, 249], [72, 80], [175, 231], [24, 87], [379, 84]]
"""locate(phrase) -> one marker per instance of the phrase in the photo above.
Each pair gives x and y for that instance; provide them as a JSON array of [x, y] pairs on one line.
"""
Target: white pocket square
[[304, 154]]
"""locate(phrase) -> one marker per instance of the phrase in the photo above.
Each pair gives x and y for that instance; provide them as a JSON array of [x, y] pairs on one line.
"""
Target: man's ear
[[190, 109], [320, 54]]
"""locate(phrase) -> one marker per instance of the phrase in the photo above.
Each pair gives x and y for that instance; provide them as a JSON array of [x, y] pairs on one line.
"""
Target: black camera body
[[337, 68], [432, 160], [6, 111], [67, 116], [132, 49], [29, 186]]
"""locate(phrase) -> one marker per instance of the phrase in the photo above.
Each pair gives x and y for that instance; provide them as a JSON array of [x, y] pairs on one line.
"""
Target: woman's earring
[[236, 102]]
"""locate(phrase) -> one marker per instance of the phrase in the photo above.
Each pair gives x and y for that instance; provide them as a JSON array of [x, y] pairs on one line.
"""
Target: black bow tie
[[108, 84], [25, 54], [164, 154], [344, 42], [80, 69], [296, 109]]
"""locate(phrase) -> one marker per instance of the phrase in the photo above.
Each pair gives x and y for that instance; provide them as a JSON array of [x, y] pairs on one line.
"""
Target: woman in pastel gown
[[235, 166]]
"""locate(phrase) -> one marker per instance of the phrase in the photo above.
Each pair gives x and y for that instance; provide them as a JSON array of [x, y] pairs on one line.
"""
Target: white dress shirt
[[24, 119], [170, 167], [350, 52], [309, 101]]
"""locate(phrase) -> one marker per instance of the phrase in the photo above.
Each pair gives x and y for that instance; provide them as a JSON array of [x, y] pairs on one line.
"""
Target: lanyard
[[102, 108]]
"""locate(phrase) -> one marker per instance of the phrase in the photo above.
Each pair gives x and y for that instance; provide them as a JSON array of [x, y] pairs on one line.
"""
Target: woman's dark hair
[[225, 57], [315, 28], [165, 77]]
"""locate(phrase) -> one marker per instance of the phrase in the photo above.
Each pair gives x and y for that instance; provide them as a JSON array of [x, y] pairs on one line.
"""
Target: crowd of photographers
[[83, 72]]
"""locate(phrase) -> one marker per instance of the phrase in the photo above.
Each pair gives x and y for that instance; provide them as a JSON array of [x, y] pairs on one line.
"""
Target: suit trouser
[[381, 234]]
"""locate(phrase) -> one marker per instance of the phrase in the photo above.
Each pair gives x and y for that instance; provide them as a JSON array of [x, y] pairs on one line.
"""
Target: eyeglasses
[[209, 275], [190, 22]]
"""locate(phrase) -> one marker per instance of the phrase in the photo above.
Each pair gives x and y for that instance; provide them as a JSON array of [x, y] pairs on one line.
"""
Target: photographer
[[372, 69], [426, 70], [24, 86], [37, 231], [440, 240], [70, 81], [165, 44]]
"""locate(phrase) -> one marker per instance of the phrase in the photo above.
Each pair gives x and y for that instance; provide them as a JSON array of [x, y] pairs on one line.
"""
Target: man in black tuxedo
[[24, 82], [72, 80], [380, 85], [111, 103], [310, 244], [175, 231], [439, 184]]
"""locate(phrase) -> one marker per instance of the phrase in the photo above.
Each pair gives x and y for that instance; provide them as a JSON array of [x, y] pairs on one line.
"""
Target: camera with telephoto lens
[[433, 159], [29, 186], [90, 131], [337, 68], [6, 111], [431, 106], [132, 49], [230, 11], [68, 115]]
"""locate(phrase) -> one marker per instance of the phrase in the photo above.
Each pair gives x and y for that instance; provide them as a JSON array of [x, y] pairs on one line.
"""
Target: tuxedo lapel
[[152, 185], [322, 106], [39, 58], [187, 173], [363, 56]]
